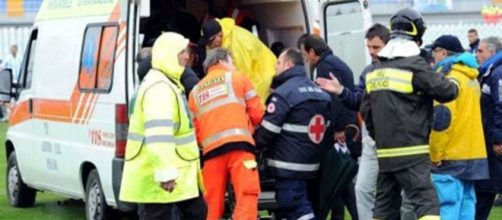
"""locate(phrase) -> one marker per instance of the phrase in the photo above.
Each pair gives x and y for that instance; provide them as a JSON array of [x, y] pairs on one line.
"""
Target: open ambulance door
[[343, 26]]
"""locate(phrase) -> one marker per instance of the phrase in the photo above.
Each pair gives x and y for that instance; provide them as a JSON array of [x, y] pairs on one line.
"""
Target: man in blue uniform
[[292, 130]]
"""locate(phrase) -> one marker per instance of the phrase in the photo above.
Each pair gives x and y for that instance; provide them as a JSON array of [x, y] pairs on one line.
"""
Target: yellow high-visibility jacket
[[161, 144], [250, 55], [457, 138]]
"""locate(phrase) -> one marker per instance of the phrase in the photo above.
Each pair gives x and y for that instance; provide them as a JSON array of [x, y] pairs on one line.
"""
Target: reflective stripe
[[159, 123], [307, 217], [403, 151], [249, 95], [389, 79], [295, 128], [271, 127], [185, 140], [134, 137], [455, 81], [293, 166], [219, 103], [156, 139], [223, 134], [162, 138]]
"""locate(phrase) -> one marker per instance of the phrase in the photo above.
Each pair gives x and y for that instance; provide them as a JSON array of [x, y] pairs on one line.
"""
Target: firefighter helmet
[[408, 22]]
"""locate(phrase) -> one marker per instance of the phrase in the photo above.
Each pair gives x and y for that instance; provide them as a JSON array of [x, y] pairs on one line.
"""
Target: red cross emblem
[[316, 128]]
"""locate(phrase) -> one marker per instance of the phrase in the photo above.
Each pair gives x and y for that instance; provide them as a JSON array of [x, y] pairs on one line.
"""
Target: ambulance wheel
[[95, 203], [18, 193]]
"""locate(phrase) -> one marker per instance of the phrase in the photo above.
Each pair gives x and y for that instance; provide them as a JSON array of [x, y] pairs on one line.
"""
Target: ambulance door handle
[[30, 105]]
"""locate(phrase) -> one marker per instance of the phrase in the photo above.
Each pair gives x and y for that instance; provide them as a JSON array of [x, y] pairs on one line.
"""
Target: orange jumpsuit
[[226, 110]]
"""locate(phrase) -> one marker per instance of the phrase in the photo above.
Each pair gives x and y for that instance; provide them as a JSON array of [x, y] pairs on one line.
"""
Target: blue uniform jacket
[[295, 126], [329, 63], [352, 98], [491, 109]]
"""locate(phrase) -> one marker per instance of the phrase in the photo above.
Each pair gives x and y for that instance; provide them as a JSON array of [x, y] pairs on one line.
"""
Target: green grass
[[50, 206]]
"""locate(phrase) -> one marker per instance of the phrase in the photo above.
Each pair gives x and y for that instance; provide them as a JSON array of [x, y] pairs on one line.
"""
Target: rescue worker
[[489, 55], [292, 132], [377, 37], [457, 142], [162, 167], [226, 110], [397, 109], [323, 62], [250, 55]]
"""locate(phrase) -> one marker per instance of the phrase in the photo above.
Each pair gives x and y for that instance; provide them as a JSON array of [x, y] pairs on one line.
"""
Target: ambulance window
[[27, 66], [97, 58]]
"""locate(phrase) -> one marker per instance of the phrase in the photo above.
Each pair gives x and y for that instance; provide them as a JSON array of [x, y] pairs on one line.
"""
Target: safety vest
[[161, 144], [226, 109]]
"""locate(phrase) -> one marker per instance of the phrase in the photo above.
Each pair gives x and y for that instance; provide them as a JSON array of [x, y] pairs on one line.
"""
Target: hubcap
[[94, 200], [13, 182]]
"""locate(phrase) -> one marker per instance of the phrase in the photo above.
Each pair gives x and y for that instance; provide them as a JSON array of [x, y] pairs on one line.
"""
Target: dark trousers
[[346, 199], [484, 203], [417, 185], [292, 201], [313, 194], [192, 209]]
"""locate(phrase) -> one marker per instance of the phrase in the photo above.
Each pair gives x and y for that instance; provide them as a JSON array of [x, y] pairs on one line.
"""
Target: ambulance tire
[[18, 193], [95, 202]]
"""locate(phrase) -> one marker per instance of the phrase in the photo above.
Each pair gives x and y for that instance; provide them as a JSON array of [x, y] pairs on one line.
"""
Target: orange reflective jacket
[[225, 107]]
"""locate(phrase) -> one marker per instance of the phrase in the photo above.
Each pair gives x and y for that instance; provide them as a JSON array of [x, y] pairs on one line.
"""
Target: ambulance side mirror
[[5, 85]]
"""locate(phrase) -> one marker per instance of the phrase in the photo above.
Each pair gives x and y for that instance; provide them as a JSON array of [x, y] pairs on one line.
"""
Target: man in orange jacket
[[226, 110]]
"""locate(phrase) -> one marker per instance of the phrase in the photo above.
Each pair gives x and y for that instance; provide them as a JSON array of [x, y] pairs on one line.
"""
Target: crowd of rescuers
[[415, 113]]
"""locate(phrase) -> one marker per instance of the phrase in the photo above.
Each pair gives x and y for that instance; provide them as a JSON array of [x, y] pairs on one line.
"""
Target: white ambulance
[[68, 124]]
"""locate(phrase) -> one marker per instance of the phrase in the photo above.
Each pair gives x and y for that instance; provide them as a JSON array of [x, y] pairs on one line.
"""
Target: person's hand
[[331, 85], [497, 148], [340, 137], [168, 186]]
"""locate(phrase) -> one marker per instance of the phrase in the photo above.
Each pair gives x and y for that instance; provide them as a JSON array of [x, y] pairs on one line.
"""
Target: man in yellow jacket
[[251, 56], [162, 167], [457, 142]]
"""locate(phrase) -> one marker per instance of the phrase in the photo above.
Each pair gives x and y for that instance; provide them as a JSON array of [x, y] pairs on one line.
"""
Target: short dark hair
[[472, 30], [316, 43], [277, 48], [301, 40], [380, 31], [294, 55]]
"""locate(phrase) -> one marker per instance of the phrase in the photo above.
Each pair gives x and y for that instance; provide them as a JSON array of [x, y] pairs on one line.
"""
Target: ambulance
[[69, 116]]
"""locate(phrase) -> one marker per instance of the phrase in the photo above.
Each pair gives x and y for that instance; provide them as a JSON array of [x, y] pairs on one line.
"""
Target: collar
[[216, 67], [465, 58], [324, 55], [399, 47], [491, 63], [474, 44], [294, 71]]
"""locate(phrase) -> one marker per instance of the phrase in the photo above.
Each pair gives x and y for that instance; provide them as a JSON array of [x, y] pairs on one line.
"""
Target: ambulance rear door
[[343, 24]]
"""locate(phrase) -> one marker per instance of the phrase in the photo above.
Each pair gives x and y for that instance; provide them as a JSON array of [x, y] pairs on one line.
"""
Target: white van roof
[[57, 9]]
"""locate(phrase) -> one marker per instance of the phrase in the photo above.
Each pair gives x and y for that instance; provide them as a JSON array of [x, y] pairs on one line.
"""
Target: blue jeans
[[291, 197], [457, 198]]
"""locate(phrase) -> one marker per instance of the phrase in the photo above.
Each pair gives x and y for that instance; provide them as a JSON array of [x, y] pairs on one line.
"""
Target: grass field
[[50, 206]]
